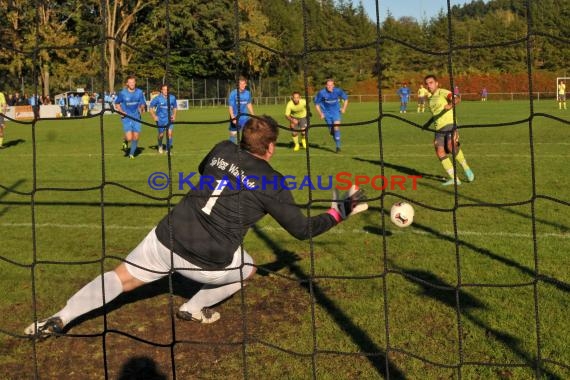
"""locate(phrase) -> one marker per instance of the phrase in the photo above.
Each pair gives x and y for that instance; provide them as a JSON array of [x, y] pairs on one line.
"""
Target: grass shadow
[[437, 289], [12, 143], [374, 354], [401, 169], [560, 285]]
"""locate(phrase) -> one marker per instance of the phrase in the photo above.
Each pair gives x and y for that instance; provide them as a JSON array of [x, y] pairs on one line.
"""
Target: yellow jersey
[[298, 111], [437, 102], [423, 93]]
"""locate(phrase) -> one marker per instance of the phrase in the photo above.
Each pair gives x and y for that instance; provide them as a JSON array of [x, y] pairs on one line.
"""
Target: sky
[[418, 9]]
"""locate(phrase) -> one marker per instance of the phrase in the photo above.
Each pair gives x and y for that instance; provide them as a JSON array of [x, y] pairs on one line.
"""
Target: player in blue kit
[[163, 111], [404, 94], [244, 108], [327, 103], [130, 103]]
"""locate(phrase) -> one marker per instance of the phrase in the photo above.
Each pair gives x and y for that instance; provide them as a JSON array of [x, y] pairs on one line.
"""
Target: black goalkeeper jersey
[[236, 190]]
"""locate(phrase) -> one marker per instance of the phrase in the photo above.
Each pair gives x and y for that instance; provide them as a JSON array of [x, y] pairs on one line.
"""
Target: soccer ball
[[402, 214]]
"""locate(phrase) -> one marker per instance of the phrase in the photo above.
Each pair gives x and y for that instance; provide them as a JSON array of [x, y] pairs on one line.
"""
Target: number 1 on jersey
[[207, 209]]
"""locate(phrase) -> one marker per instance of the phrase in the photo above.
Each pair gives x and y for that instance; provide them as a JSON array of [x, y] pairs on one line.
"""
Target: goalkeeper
[[441, 103], [205, 231]]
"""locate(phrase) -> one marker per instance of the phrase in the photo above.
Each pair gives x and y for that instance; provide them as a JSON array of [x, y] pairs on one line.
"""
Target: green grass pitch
[[493, 262]]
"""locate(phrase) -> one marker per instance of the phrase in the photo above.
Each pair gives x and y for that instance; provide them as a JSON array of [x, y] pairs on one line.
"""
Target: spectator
[[484, 94]]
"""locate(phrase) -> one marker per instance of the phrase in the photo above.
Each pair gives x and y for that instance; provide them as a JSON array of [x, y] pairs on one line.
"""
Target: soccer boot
[[131, 157], [206, 315], [45, 328], [160, 151], [304, 143], [470, 175], [450, 181], [296, 147]]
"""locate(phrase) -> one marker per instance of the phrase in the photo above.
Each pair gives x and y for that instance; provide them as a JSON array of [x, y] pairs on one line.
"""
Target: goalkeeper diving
[[205, 230]]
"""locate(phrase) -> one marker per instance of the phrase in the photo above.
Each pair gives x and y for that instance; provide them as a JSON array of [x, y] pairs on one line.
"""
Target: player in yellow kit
[[561, 95], [296, 113], [423, 95], [3, 109], [441, 103]]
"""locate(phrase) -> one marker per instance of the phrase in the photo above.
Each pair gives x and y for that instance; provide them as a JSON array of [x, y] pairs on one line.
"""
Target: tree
[[53, 17], [119, 17]]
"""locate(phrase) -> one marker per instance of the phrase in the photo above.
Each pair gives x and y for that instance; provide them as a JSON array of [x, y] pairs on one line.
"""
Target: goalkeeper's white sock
[[210, 295], [90, 297]]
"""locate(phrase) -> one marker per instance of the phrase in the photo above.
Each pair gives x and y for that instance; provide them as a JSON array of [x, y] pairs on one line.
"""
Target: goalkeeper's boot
[[470, 175], [206, 315], [450, 181], [45, 328], [304, 143], [296, 147]]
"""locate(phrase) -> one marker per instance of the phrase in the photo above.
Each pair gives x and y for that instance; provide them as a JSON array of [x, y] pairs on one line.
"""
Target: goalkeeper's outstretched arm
[[289, 215]]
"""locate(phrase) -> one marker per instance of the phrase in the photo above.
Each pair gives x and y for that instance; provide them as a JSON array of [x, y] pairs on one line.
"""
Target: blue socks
[[134, 144]]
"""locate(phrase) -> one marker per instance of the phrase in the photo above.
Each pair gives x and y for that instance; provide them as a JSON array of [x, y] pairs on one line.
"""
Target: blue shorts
[[330, 118], [234, 128], [130, 125], [162, 127]]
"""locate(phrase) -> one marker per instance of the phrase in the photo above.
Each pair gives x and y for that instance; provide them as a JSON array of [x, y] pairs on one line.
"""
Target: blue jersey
[[404, 93], [160, 103], [329, 102], [131, 101], [244, 100]]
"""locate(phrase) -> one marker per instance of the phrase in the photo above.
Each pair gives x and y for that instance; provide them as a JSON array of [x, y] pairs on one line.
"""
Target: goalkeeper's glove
[[353, 202]]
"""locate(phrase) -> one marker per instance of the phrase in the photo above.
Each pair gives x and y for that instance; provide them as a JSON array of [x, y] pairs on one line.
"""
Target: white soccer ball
[[402, 214]]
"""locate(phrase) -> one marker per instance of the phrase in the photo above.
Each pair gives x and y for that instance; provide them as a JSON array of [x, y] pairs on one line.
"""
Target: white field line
[[195, 152], [279, 229], [286, 154]]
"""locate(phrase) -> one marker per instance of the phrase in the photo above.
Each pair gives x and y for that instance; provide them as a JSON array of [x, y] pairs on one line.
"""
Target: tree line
[[51, 44]]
